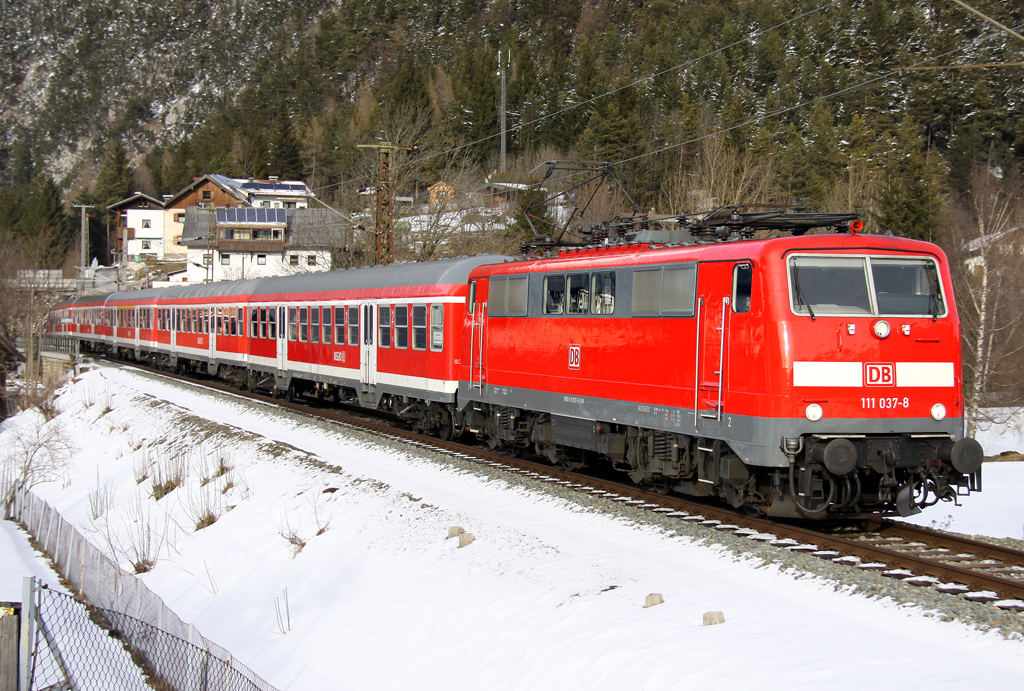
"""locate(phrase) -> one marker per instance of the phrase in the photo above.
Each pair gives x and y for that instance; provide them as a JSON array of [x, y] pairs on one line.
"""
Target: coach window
[[314, 324], [384, 324], [232, 322], [241, 321], [437, 328], [339, 325], [327, 325], [254, 322], [272, 322], [579, 296], [401, 326], [742, 284], [419, 327], [554, 294], [353, 325], [303, 324], [263, 322]]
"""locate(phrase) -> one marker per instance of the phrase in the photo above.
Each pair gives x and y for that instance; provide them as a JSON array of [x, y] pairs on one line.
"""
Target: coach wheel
[[291, 393]]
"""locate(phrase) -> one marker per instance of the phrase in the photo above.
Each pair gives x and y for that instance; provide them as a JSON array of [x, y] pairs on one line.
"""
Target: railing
[[166, 649]]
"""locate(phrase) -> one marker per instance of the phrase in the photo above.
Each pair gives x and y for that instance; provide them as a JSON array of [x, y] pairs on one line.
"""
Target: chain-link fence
[[175, 652]]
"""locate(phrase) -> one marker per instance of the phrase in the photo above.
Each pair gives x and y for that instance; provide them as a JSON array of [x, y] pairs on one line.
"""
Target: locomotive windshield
[[849, 285]]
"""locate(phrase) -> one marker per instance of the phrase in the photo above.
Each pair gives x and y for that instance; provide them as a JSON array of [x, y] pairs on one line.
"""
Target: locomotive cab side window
[[742, 285], [579, 294], [602, 291], [554, 294]]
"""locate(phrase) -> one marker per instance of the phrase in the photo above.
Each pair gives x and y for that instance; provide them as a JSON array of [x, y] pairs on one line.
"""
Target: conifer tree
[[285, 160], [910, 203], [116, 179]]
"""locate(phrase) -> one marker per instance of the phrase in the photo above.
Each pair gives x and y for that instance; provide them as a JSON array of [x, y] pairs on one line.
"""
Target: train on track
[[808, 375]]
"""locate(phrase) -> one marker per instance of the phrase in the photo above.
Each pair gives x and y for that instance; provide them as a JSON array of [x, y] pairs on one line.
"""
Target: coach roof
[[440, 272]]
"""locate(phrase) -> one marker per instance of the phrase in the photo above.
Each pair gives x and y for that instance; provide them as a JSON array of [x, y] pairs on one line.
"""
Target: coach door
[[210, 325], [367, 353], [714, 291], [281, 336]]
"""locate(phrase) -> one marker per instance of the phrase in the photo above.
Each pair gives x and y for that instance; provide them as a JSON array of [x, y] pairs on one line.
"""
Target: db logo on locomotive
[[879, 374], [574, 356]]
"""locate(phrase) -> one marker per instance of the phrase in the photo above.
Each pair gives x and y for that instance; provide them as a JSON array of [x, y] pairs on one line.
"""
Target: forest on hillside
[[797, 102]]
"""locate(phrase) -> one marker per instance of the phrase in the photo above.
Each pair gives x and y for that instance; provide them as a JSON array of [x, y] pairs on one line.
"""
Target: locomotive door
[[714, 288], [477, 326], [368, 353]]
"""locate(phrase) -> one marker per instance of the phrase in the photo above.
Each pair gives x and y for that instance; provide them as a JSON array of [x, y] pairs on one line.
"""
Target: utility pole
[[385, 197], [502, 73], [85, 250]]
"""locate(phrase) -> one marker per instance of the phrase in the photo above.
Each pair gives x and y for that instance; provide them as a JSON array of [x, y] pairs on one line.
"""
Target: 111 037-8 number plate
[[872, 403]]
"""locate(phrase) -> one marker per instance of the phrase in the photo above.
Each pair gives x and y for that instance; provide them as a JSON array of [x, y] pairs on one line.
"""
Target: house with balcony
[[232, 243], [219, 191]]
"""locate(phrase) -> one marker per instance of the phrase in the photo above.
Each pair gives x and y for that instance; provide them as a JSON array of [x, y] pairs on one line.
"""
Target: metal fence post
[[28, 632]]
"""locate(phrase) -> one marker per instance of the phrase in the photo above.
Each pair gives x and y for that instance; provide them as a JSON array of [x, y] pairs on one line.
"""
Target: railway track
[[976, 570]]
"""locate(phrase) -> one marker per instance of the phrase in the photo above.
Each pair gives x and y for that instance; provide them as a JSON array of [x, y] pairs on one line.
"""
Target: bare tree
[[985, 251], [720, 174], [39, 451]]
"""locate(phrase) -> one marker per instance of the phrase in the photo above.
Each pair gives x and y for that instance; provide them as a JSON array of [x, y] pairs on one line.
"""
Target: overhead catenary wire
[[736, 123]]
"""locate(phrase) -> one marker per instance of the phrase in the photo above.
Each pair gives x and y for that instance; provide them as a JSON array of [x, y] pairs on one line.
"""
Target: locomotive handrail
[[696, 370], [721, 355]]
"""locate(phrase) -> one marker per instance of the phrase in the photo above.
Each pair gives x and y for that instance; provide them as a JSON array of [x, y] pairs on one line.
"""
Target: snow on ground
[[549, 596], [17, 560]]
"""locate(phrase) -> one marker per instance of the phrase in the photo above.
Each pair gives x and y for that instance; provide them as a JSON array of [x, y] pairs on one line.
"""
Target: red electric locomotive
[[813, 376]]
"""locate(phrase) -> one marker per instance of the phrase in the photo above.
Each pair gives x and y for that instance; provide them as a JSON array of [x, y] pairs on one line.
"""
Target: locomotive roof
[[636, 254], [439, 272]]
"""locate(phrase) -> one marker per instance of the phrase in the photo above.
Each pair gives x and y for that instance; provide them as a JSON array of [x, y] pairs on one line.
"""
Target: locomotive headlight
[[813, 412], [882, 328], [938, 411]]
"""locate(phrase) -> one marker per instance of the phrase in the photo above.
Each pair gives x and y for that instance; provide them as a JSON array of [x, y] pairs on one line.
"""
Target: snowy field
[[548, 596]]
